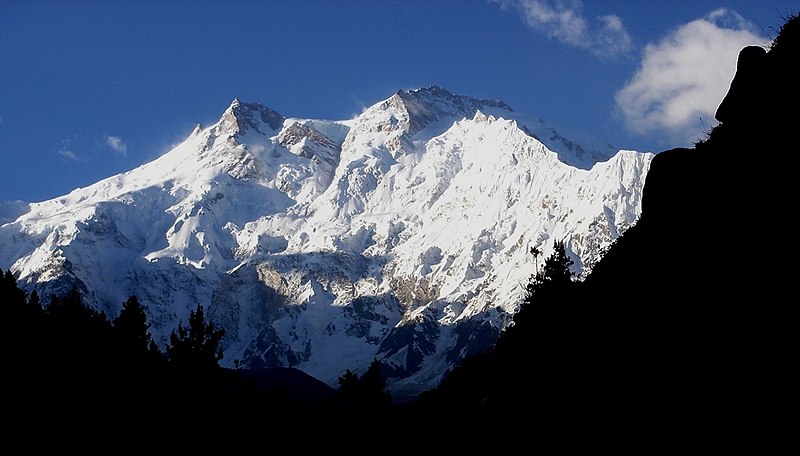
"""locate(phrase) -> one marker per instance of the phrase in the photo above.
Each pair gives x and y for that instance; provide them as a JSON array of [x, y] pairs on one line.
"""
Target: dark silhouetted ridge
[[684, 328]]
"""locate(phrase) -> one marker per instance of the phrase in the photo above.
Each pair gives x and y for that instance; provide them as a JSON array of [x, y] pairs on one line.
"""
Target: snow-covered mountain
[[402, 234]]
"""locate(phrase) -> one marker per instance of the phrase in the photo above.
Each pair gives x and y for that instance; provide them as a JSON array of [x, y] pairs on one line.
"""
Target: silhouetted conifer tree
[[13, 309], [365, 396], [10, 293], [349, 385], [34, 302], [557, 271], [131, 326], [196, 346], [374, 385]]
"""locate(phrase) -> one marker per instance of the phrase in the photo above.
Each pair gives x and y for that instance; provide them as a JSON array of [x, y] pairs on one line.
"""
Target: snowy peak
[[427, 105], [480, 117], [242, 118], [403, 121], [402, 233]]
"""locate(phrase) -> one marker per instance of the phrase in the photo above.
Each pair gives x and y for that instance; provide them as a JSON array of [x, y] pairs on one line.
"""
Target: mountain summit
[[240, 118], [402, 234], [428, 105]]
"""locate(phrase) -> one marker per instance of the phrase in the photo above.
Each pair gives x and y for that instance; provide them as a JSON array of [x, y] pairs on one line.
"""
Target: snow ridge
[[402, 234]]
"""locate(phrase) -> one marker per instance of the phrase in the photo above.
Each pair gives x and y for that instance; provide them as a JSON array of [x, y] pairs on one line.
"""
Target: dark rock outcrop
[[702, 334]]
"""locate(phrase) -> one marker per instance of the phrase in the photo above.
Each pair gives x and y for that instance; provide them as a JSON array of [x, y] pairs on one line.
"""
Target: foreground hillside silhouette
[[684, 326]]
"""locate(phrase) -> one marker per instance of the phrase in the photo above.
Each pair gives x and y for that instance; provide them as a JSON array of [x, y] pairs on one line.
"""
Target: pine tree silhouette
[[196, 346], [131, 327]]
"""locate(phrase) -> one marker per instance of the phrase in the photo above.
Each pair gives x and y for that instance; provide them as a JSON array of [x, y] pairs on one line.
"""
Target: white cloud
[[66, 150], [66, 153], [683, 78], [117, 145], [564, 21]]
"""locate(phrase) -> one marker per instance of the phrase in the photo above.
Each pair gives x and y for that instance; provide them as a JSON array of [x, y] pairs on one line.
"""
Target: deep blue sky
[[89, 89]]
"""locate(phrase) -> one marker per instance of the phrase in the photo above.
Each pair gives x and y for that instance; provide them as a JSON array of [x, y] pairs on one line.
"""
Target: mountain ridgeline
[[401, 234]]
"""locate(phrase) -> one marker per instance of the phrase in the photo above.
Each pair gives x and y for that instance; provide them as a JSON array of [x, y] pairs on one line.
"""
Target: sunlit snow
[[324, 244]]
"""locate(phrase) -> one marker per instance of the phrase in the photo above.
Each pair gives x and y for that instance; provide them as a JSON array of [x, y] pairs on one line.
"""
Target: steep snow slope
[[403, 234]]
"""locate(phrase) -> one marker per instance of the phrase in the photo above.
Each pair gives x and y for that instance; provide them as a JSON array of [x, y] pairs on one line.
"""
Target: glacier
[[403, 234]]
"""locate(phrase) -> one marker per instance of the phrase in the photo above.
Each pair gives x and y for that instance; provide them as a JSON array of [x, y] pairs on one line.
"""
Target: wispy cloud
[[66, 153], [117, 145], [683, 78], [66, 150], [563, 20]]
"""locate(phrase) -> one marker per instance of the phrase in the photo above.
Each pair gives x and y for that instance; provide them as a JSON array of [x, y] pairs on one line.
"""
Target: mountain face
[[403, 234]]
